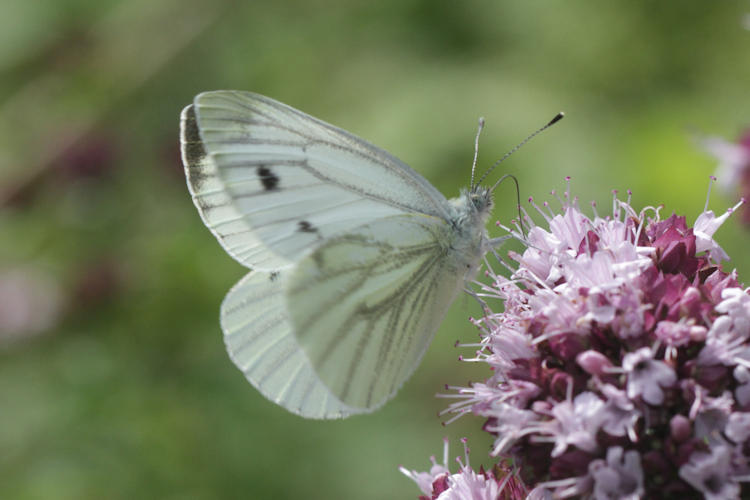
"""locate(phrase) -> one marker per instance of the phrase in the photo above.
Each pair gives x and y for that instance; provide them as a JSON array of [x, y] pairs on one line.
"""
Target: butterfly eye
[[481, 200]]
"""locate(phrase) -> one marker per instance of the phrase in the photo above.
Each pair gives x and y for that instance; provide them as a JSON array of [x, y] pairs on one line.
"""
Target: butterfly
[[354, 256]]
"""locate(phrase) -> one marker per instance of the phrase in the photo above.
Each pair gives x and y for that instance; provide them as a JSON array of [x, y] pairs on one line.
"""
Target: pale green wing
[[272, 183], [259, 337], [342, 331], [366, 304], [213, 197]]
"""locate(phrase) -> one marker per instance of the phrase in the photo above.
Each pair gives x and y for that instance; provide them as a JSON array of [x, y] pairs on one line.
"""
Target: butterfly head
[[481, 199], [481, 196], [472, 208]]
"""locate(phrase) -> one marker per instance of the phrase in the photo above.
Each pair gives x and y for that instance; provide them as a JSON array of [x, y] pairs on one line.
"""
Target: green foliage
[[131, 393]]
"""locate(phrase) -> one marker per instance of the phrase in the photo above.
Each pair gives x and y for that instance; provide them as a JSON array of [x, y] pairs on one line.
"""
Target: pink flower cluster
[[439, 483], [621, 360]]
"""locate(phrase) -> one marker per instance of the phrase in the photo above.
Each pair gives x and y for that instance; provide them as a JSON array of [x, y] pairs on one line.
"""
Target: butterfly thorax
[[469, 238]]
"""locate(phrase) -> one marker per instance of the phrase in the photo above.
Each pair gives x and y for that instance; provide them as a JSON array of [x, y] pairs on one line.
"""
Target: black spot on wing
[[306, 227], [269, 180], [193, 150], [273, 276]]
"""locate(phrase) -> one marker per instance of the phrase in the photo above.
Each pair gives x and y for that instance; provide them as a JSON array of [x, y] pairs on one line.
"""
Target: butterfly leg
[[485, 307], [496, 242]]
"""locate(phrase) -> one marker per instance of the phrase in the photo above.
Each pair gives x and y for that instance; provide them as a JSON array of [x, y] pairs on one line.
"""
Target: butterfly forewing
[[290, 179], [212, 195]]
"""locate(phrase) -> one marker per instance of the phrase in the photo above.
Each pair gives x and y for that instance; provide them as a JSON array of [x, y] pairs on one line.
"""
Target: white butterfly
[[355, 257]]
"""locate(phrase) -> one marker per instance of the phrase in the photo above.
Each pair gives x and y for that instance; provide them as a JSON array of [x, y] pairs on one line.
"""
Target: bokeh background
[[114, 382]]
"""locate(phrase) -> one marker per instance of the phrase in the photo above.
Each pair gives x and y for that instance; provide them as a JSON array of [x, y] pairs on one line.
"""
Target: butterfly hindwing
[[340, 332], [260, 341], [273, 183], [366, 304]]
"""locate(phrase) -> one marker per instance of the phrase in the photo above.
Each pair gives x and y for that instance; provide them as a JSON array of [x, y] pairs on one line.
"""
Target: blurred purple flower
[[733, 169], [91, 157], [30, 303], [98, 282]]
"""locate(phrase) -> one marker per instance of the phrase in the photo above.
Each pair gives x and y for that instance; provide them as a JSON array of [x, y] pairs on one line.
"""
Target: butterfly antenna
[[518, 197], [476, 151], [557, 118]]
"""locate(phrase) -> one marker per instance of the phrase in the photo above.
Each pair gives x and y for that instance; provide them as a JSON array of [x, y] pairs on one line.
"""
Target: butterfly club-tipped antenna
[[559, 116]]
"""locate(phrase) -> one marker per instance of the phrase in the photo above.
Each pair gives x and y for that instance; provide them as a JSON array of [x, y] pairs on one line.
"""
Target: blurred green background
[[114, 382]]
